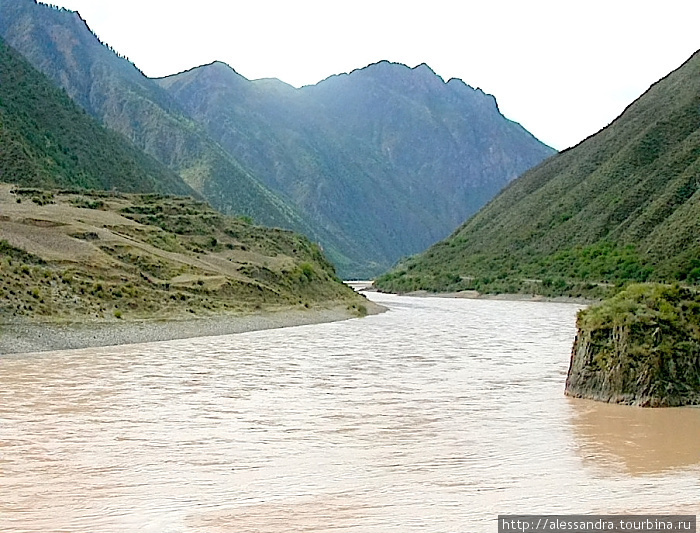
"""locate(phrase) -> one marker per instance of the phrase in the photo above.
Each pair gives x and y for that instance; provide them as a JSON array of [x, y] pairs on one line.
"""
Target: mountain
[[389, 159], [621, 206], [374, 165], [46, 140], [59, 43]]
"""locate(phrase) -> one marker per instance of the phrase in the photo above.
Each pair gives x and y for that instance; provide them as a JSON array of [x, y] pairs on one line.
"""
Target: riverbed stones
[[641, 347]]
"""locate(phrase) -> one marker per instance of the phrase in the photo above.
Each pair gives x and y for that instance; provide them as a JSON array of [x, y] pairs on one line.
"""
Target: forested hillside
[[46, 140]]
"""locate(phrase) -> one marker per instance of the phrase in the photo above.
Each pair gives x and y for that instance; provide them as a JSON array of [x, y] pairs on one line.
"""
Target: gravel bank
[[25, 338]]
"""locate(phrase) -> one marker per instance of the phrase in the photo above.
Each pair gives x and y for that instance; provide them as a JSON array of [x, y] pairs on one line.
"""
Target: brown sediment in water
[[430, 417], [637, 441]]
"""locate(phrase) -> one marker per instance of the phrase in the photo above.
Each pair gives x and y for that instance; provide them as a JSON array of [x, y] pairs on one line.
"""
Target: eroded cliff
[[641, 347]]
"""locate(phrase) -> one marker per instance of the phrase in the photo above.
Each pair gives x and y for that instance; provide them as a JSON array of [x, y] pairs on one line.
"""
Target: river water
[[435, 417]]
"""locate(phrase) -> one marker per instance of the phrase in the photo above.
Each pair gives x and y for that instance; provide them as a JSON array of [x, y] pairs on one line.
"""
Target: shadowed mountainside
[[388, 158]]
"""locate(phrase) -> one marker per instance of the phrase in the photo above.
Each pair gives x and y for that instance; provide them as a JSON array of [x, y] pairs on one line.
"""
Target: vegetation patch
[[87, 203], [10, 252], [205, 264], [641, 346], [38, 196]]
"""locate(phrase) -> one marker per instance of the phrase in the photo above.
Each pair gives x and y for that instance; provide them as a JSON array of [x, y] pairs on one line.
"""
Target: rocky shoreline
[[39, 337]]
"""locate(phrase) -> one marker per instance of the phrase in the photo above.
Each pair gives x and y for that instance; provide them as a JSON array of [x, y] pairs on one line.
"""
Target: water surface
[[435, 417]]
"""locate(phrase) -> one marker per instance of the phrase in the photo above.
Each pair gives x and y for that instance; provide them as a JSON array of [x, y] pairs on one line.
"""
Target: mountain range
[[374, 165], [387, 157], [623, 205]]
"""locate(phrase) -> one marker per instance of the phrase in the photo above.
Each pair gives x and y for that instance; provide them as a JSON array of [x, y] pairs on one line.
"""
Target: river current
[[434, 417]]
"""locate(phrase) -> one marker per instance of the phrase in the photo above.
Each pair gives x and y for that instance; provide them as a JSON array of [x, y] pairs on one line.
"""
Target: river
[[434, 417]]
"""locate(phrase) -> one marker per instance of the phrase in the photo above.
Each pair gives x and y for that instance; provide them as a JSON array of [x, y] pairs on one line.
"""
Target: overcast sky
[[562, 68]]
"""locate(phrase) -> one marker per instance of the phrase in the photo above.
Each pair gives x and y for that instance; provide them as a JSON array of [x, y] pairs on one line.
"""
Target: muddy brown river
[[434, 417]]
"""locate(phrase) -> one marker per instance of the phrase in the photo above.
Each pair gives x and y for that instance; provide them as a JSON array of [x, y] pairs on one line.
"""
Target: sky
[[563, 69]]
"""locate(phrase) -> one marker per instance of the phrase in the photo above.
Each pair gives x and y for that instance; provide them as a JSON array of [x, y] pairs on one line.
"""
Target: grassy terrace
[[76, 255]]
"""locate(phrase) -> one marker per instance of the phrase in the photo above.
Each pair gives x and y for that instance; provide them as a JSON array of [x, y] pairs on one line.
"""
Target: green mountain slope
[[388, 159], [59, 44], [47, 140], [622, 205]]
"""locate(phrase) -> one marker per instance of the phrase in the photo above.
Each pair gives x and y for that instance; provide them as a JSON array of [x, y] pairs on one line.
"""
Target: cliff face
[[641, 347]]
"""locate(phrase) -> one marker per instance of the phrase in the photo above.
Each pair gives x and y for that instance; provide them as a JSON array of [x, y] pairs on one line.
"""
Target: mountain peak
[[217, 67], [216, 73], [386, 67], [425, 69]]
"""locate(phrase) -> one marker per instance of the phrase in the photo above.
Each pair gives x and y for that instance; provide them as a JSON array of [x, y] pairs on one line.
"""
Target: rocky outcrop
[[641, 347]]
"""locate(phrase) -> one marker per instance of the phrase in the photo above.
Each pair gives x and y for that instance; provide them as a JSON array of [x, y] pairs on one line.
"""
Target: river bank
[[39, 337], [367, 287]]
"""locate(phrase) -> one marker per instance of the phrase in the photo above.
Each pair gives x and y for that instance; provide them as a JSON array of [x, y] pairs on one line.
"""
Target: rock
[[640, 347]]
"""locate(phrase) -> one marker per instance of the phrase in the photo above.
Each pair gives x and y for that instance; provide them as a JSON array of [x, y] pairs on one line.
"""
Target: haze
[[562, 69]]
